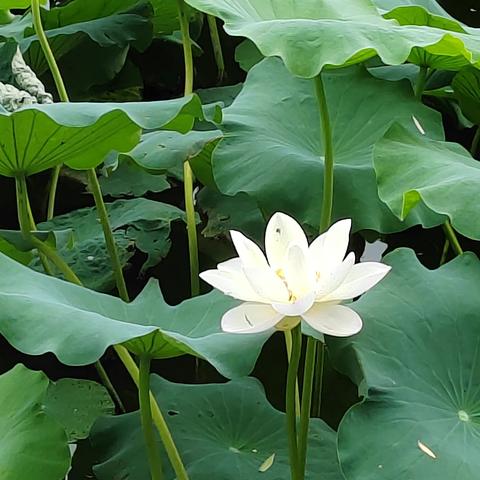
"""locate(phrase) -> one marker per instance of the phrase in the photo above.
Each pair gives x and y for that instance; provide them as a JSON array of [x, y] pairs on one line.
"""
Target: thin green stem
[[96, 191], [308, 377], [187, 170], [421, 82], [318, 381], [446, 247], [475, 142], [62, 91], [53, 191], [191, 229], [452, 238], [325, 220], [187, 47], [153, 452], [292, 376], [105, 379], [288, 345], [157, 416], [217, 47], [27, 226], [47, 51], [22, 205], [327, 203]]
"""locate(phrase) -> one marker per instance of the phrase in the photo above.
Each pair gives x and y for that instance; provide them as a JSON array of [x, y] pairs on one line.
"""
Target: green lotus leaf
[[141, 223], [221, 430], [7, 51], [103, 21], [225, 213], [43, 314], [12, 251], [128, 179], [274, 153], [32, 444], [416, 364], [247, 55], [82, 134], [430, 5], [25, 244], [76, 404], [316, 33], [466, 87], [166, 151], [411, 168]]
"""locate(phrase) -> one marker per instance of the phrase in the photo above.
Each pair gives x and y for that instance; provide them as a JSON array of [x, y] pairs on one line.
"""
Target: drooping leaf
[[430, 5], [141, 223], [164, 151], [128, 179], [76, 405], [225, 213], [103, 21], [82, 134], [221, 430], [416, 363], [274, 153], [412, 168], [32, 444], [466, 86], [247, 55], [312, 34], [42, 314]]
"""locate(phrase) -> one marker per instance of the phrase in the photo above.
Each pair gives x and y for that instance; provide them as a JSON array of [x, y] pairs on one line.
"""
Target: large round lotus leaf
[[81, 135], [42, 314], [416, 361], [32, 444], [312, 34], [76, 404], [223, 431], [275, 153], [412, 168]]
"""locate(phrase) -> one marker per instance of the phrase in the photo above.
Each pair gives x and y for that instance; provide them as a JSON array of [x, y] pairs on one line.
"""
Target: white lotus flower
[[295, 281]]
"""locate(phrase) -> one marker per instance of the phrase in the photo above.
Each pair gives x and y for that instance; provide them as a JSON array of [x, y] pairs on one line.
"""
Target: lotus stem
[[62, 92], [452, 238], [292, 376], [187, 170], [153, 453], [217, 47], [94, 186], [157, 416], [288, 345], [308, 379], [421, 82]]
